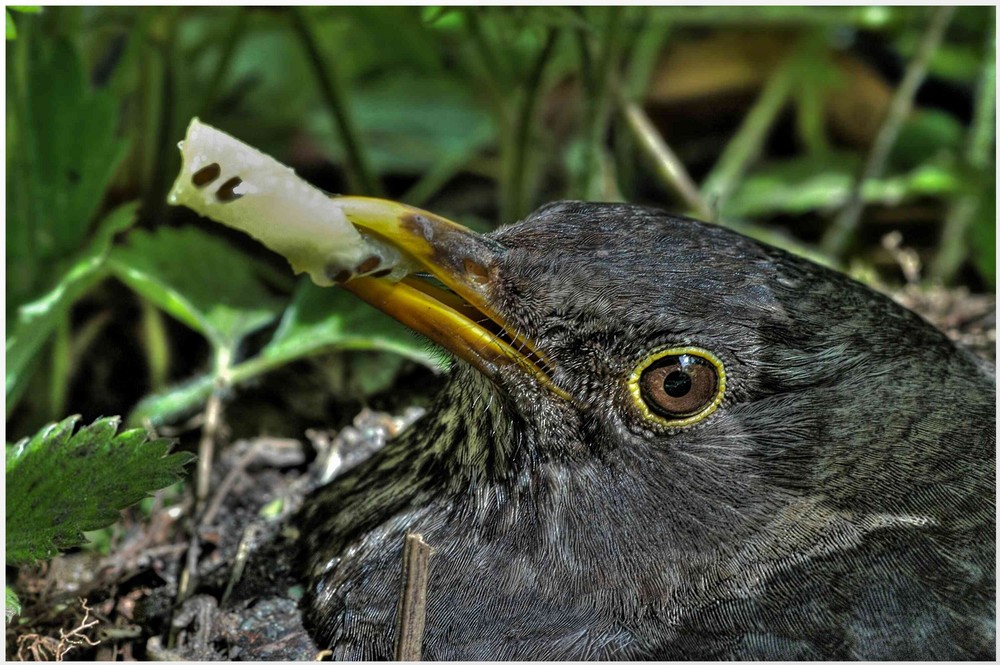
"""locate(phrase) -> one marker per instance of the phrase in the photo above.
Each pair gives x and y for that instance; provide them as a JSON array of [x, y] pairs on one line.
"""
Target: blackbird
[[663, 440]]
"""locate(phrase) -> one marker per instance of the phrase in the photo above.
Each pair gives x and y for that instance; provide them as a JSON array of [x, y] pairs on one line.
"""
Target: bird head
[[687, 359]]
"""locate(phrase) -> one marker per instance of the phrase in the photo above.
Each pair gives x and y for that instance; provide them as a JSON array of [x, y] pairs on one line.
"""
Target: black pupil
[[677, 383]]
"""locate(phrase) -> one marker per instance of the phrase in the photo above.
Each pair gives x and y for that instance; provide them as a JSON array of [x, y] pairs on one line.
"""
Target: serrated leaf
[[37, 319], [60, 484], [12, 605], [198, 279]]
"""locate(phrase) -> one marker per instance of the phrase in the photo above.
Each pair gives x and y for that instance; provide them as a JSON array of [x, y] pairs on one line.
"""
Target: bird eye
[[677, 387]]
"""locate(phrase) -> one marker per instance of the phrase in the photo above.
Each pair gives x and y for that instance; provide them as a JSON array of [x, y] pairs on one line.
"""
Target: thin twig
[[836, 238], [746, 144], [412, 608], [359, 171], [668, 166], [213, 507], [247, 541], [962, 213]]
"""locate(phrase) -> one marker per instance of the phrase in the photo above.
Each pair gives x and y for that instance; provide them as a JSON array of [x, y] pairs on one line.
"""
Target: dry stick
[[206, 454], [839, 234], [668, 166], [412, 608]]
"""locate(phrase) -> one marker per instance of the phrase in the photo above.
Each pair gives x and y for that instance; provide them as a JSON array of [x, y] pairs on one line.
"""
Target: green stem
[[962, 213], [438, 175], [666, 163], [233, 38], [164, 138], [155, 343], [514, 180], [746, 145], [589, 182], [497, 76], [359, 172], [60, 376], [837, 237]]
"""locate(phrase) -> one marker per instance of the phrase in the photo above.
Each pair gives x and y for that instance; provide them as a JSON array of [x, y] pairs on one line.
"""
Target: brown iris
[[677, 387]]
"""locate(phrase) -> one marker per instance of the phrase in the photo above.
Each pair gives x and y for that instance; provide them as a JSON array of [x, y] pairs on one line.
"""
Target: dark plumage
[[839, 503]]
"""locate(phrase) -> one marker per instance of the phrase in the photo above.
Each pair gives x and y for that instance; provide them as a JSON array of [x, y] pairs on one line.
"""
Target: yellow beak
[[459, 317]]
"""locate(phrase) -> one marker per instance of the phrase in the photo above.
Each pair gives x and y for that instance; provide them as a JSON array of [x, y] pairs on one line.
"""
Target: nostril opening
[[368, 265], [476, 271]]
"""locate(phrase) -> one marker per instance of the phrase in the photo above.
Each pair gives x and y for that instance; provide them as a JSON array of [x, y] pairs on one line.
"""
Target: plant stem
[[359, 172], [233, 37], [496, 75], [210, 428], [597, 85], [154, 339], [744, 147], [666, 163], [515, 176], [839, 234], [165, 140], [962, 213], [60, 376]]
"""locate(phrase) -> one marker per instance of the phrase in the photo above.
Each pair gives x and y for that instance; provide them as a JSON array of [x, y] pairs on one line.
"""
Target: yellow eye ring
[[706, 394]]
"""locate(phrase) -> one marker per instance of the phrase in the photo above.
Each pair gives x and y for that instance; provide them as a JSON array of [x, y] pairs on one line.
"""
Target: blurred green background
[[822, 130]]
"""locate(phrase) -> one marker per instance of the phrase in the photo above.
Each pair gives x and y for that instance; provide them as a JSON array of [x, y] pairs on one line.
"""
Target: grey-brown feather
[[839, 504]]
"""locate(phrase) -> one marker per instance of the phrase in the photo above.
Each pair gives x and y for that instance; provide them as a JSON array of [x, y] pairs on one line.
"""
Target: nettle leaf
[[199, 280], [60, 484], [37, 319]]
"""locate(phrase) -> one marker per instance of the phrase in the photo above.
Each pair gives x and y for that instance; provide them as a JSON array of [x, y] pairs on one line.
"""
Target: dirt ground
[[230, 593]]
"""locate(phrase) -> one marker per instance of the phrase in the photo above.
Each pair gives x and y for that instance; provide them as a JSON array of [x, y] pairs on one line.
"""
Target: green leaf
[[36, 320], [198, 279], [925, 134], [12, 607], [323, 319], [439, 119], [823, 182], [318, 320], [173, 403], [63, 149], [11, 34], [60, 484]]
